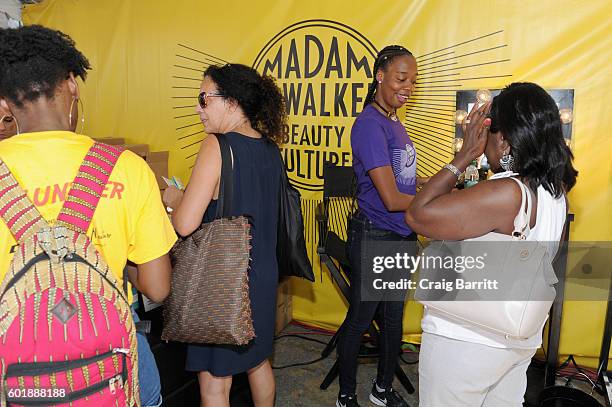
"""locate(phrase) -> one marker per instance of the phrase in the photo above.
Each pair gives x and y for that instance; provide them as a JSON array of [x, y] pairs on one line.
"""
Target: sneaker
[[389, 397], [345, 400]]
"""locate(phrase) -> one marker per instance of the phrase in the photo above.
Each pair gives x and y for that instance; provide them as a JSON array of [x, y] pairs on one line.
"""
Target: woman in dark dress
[[248, 108]]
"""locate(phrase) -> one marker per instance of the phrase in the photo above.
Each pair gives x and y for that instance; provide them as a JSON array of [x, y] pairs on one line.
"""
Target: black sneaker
[[389, 398], [349, 400]]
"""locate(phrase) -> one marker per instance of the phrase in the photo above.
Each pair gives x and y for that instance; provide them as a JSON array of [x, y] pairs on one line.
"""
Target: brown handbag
[[209, 299]]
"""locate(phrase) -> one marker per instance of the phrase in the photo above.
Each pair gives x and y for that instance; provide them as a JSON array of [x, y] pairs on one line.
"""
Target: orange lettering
[[117, 189], [59, 194], [103, 194], [37, 200]]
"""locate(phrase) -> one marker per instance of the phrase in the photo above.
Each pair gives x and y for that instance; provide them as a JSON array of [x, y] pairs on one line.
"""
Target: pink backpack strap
[[87, 187], [18, 212]]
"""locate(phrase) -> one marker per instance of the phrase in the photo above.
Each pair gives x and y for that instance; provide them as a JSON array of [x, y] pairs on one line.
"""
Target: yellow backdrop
[[148, 58]]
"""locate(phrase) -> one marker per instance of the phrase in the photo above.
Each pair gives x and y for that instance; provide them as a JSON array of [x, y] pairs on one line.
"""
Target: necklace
[[390, 114]]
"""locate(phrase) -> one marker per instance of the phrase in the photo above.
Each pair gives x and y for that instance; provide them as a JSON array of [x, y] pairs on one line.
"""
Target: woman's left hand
[[172, 197], [475, 132]]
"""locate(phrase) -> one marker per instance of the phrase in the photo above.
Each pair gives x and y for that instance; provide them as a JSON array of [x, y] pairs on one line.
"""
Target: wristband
[[453, 169]]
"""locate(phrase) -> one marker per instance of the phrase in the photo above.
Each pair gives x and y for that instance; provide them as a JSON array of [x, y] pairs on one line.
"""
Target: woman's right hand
[[172, 197], [475, 132]]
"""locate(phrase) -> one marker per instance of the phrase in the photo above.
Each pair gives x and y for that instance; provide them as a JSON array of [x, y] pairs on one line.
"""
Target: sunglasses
[[204, 95]]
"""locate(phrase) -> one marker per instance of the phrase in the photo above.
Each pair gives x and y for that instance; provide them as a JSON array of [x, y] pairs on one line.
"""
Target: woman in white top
[[520, 134]]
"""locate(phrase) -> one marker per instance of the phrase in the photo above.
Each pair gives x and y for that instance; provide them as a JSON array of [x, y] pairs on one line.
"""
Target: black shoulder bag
[[291, 250]]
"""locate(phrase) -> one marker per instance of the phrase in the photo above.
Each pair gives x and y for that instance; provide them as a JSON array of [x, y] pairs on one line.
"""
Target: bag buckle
[[119, 381], [111, 385], [53, 240]]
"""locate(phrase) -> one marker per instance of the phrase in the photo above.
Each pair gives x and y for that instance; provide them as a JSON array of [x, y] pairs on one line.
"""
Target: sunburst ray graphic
[[430, 113], [187, 71]]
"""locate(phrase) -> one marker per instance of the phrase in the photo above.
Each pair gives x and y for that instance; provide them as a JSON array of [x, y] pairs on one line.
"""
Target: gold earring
[[70, 112], [14, 119], [82, 116], [79, 102]]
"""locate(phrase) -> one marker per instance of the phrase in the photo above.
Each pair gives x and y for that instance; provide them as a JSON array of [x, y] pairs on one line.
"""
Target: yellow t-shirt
[[130, 221]]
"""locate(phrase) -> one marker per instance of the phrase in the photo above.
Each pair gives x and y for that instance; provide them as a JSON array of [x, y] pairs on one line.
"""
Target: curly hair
[[34, 60], [383, 59], [260, 99], [528, 118]]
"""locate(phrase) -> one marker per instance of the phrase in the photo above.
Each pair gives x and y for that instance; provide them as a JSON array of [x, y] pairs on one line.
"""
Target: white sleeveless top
[[550, 219]]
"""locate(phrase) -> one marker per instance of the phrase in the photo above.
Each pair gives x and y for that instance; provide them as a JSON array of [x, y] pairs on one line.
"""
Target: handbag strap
[[226, 181], [88, 186], [523, 217], [284, 179], [19, 213]]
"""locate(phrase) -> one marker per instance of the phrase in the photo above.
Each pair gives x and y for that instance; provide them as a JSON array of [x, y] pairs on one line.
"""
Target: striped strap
[[16, 209], [88, 186]]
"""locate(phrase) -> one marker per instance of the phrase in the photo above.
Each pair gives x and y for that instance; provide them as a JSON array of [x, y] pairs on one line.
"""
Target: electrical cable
[[563, 368], [310, 362], [300, 335], [292, 335], [407, 362]]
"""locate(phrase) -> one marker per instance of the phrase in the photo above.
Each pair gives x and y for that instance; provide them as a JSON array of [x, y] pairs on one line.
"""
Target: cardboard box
[[158, 161], [284, 305], [140, 149], [284, 316], [111, 141]]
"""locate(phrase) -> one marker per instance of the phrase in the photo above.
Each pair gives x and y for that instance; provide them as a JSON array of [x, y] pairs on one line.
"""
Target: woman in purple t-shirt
[[384, 161]]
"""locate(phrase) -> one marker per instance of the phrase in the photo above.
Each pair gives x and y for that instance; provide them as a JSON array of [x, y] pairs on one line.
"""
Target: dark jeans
[[361, 313], [148, 374]]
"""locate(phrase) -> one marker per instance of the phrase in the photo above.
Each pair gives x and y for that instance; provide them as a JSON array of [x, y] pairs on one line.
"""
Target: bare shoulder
[[503, 198], [498, 190], [209, 156], [209, 149], [210, 142], [496, 197], [500, 185]]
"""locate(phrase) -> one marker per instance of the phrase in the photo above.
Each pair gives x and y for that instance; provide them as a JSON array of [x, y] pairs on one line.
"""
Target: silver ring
[[467, 121]]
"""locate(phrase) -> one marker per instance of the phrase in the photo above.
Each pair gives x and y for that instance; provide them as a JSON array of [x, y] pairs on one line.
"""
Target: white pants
[[455, 373]]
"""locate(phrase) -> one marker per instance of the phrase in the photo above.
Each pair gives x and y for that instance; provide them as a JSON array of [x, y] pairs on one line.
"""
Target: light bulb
[[483, 96], [457, 144], [566, 115], [460, 116]]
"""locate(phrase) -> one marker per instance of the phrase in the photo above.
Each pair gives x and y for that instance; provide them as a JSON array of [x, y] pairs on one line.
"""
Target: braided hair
[[383, 59]]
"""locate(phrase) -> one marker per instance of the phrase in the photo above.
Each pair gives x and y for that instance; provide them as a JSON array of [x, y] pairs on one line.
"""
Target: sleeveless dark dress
[[257, 171]]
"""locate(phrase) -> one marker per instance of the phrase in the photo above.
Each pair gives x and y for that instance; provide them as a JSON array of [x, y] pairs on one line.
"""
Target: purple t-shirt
[[377, 142]]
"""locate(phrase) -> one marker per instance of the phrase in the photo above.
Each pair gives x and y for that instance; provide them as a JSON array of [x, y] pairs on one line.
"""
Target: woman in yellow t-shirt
[[39, 68]]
